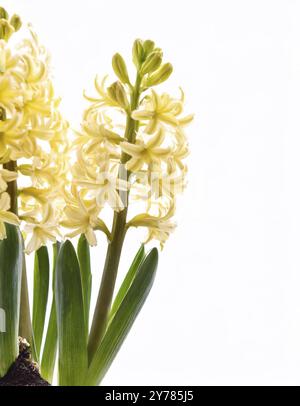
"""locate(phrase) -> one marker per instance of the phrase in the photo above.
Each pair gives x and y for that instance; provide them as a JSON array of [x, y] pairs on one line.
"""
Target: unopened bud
[[138, 53], [160, 76], [16, 22], [117, 92], [120, 69], [152, 63], [6, 30], [148, 46], [3, 13]]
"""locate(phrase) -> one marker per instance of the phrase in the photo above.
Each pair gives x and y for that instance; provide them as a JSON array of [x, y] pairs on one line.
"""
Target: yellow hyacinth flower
[[82, 216], [159, 226], [105, 186], [42, 229], [161, 110], [149, 152], [5, 215], [5, 177]]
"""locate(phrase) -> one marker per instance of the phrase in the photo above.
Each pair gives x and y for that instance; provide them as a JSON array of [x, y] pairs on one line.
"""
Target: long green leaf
[[10, 291], [25, 324], [140, 256], [40, 295], [83, 252], [50, 347], [123, 319], [72, 343]]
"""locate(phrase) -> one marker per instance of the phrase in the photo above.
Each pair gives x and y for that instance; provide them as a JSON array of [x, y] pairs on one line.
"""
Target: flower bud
[[119, 67], [6, 30], [148, 46], [152, 63], [160, 76], [16, 22], [138, 53], [117, 92], [3, 13]]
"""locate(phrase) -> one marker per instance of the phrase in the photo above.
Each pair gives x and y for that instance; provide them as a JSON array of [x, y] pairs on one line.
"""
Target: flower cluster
[[131, 147], [158, 154], [32, 137], [95, 180]]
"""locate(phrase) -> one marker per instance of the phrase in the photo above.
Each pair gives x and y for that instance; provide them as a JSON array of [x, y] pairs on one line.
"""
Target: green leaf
[[25, 325], [50, 347], [10, 291], [40, 295], [72, 343], [83, 252], [140, 256], [123, 319]]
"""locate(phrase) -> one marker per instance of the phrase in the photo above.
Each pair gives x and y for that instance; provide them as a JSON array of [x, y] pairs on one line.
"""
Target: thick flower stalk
[[130, 153]]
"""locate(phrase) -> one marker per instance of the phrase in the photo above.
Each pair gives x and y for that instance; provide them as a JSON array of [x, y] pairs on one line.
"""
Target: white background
[[225, 308]]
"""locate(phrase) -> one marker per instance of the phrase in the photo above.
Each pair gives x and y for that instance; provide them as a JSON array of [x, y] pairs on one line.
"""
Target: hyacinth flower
[[57, 187]]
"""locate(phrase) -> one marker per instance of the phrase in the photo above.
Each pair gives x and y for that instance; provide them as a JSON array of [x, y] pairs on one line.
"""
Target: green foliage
[[72, 343], [40, 295], [10, 289], [123, 319]]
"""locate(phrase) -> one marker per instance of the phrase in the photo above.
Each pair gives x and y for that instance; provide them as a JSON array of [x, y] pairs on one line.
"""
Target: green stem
[[12, 187], [114, 248], [25, 326]]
